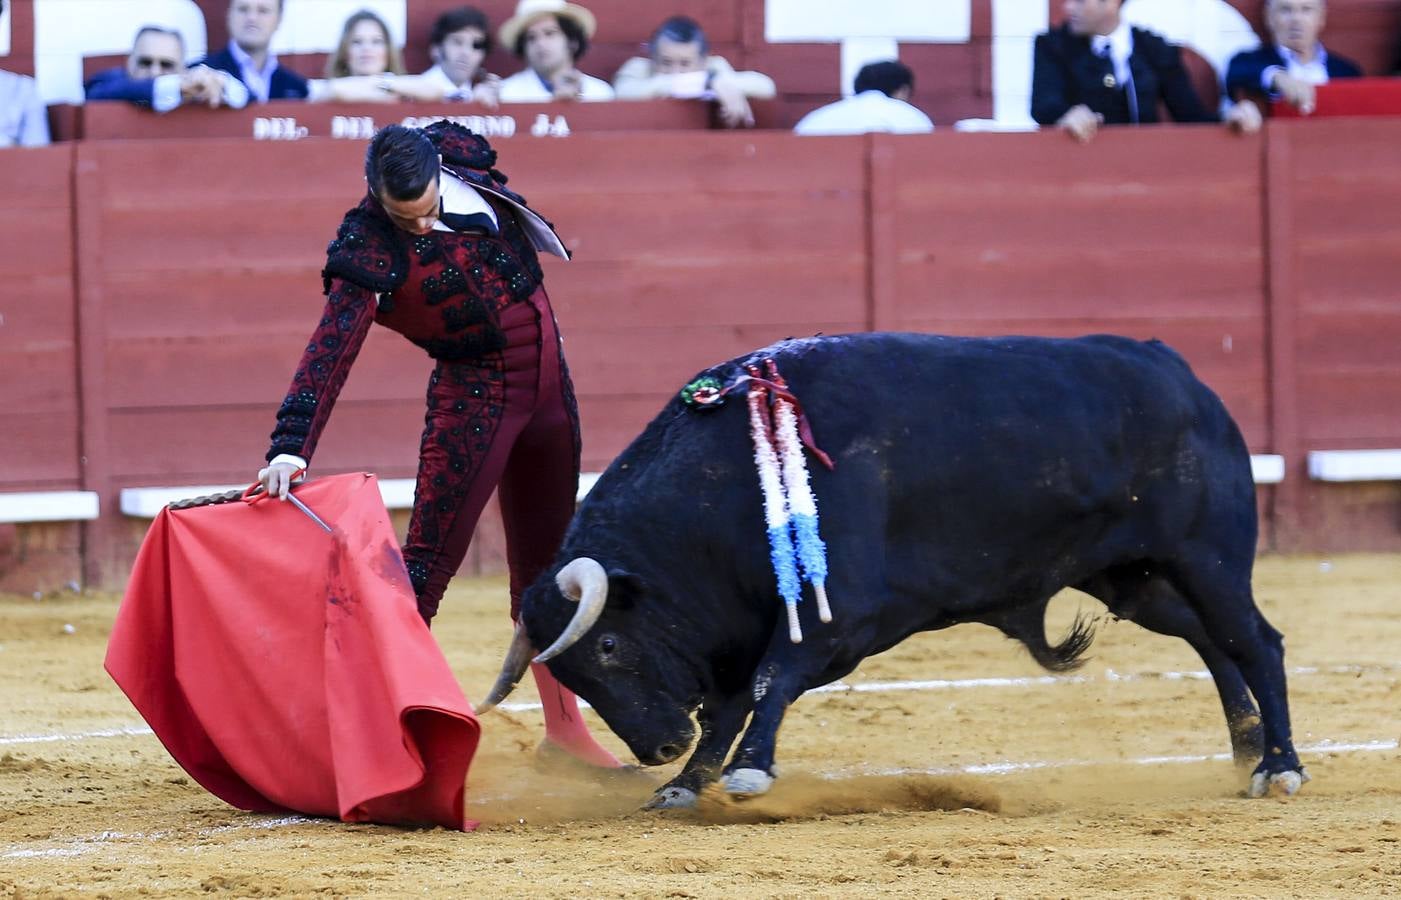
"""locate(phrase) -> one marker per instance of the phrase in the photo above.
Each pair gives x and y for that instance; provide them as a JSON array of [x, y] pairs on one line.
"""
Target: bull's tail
[[1028, 625]]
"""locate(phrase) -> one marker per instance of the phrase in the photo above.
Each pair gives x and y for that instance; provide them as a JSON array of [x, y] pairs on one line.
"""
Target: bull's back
[[1055, 447]]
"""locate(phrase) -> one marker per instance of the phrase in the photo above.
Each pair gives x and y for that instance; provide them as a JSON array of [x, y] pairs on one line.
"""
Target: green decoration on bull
[[703, 393]]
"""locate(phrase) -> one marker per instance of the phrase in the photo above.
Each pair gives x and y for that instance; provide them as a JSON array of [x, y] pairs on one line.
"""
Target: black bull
[[974, 478]]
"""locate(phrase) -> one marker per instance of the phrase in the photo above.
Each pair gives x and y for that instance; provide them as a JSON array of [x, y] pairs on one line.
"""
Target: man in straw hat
[[551, 36]]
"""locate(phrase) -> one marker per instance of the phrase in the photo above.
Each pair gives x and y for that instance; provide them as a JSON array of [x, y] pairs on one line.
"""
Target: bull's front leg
[[721, 718], [781, 677]]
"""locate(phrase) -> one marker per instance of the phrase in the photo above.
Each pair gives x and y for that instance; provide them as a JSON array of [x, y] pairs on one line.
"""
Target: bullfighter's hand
[[276, 479]]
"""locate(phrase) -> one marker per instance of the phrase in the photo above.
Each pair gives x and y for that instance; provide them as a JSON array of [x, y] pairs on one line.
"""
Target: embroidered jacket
[[443, 291]]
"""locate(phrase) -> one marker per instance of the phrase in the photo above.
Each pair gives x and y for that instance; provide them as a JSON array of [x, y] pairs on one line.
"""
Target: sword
[[311, 515]]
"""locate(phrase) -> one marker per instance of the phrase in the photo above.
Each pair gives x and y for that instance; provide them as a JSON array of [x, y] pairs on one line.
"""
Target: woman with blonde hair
[[365, 48]]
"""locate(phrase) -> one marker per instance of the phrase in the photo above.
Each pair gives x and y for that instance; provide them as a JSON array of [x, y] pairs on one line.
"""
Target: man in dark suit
[[247, 57], [1095, 69], [155, 77], [1294, 63]]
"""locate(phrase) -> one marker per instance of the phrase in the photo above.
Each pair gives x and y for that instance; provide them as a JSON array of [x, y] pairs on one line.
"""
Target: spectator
[[23, 119], [365, 66], [551, 36], [1095, 70], [679, 64], [880, 102], [1294, 63], [247, 57], [458, 44], [155, 77]]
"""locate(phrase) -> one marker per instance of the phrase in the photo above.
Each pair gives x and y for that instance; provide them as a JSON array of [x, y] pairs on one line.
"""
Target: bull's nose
[[667, 752]]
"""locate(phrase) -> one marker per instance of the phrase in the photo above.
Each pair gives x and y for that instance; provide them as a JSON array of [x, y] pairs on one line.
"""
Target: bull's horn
[[583, 581], [512, 670]]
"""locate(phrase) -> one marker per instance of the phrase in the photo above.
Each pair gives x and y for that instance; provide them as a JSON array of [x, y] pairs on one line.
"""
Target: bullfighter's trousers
[[508, 419]]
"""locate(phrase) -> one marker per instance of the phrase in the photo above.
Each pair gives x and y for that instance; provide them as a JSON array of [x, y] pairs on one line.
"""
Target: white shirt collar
[[1120, 44], [1315, 71], [461, 198]]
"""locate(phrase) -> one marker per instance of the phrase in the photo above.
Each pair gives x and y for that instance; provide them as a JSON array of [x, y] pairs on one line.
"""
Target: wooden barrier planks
[[39, 389], [1345, 190], [1153, 232]]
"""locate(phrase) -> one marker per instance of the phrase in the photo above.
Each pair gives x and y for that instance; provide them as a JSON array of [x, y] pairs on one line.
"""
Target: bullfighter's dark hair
[[400, 163], [454, 20], [573, 33], [887, 77], [680, 30]]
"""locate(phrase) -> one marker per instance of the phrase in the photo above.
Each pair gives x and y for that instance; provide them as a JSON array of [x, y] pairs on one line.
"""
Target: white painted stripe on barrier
[[107, 839], [48, 506], [146, 502], [862, 687], [1267, 468], [1355, 465]]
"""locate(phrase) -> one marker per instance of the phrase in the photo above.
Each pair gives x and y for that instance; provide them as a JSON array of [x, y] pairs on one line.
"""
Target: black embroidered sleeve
[[349, 312]]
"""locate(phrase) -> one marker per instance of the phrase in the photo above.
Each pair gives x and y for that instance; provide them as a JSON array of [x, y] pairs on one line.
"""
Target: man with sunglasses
[[155, 76]]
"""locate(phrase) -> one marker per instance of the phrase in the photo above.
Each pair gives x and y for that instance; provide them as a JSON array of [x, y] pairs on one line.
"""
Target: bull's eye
[[607, 644]]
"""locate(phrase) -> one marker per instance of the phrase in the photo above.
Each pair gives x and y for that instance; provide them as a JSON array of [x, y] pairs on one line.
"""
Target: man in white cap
[[550, 36]]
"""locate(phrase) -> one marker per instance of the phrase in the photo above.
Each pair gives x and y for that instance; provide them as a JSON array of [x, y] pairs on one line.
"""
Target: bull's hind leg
[[1218, 588], [1136, 593]]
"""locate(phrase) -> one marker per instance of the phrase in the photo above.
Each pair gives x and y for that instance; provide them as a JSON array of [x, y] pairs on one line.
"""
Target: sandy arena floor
[[882, 791]]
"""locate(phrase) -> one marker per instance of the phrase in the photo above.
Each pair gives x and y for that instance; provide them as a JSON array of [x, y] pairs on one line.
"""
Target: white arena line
[[107, 839], [98, 841], [71, 738], [1009, 767], [865, 687]]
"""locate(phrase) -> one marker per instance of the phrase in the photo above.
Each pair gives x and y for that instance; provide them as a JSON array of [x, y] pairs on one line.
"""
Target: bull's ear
[[625, 589]]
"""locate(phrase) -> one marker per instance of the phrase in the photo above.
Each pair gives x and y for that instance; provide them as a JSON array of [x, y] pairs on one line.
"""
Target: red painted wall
[[158, 293]]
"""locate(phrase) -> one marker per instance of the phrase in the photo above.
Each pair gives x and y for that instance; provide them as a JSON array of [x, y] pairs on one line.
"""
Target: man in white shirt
[[679, 64], [458, 46], [1294, 63], [551, 36], [23, 119], [881, 102]]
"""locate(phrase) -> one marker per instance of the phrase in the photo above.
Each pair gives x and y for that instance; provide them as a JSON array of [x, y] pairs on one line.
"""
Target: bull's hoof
[[672, 798], [747, 782], [1285, 783]]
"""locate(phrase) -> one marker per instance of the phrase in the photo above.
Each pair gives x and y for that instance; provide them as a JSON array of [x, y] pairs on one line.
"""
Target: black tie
[[1130, 93]]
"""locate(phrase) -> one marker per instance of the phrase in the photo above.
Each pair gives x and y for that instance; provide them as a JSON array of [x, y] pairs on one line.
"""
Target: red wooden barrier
[[1268, 261]]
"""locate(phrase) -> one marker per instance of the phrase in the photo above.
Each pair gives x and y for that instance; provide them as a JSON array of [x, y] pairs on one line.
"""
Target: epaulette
[[469, 156], [366, 253]]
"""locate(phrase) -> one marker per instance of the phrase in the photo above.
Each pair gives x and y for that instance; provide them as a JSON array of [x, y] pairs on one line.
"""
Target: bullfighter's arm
[[325, 364]]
